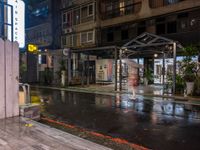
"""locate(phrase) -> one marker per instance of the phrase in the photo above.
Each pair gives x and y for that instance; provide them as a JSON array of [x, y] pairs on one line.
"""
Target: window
[[64, 40], [90, 10], [161, 3], [124, 34], [141, 30], [160, 26], [193, 22], [90, 36], [168, 2], [71, 41], [87, 37], [84, 12], [183, 24], [109, 7], [76, 17], [87, 11], [183, 15], [67, 19], [42, 59], [122, 8], [182, 21], [66, 3], [141, 27], [171, 27], [64, 18], [84, 37], [160, 29], [110, 35], [129, 7]]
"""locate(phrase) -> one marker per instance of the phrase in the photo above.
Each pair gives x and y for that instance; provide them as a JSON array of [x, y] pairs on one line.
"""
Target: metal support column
[[116, 69], [174, 67], [88, 71], [138, 70], [82, 71], [69, 68], [163, 69], [120, 70]]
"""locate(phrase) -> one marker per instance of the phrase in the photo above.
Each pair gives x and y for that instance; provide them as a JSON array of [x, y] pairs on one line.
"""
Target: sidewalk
[[22, 134], [150, 91]]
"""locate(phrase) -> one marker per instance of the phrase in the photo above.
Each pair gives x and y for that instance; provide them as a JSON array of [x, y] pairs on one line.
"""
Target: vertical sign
[[18, 21]]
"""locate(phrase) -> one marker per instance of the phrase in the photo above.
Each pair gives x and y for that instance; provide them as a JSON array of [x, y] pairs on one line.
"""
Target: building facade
[[79, 27], [91, 23], [43, 30], [124, 19], [39, 24], [100, 23]]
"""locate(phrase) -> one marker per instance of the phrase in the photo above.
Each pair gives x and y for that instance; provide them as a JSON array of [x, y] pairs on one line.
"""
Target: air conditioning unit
[[68, 30]]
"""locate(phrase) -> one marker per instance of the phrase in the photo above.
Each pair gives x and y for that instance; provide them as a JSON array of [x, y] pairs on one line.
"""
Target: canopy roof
[[147, 44]]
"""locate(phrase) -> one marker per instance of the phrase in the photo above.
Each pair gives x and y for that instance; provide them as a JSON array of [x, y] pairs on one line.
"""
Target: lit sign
[[32, 48], [18, 21]]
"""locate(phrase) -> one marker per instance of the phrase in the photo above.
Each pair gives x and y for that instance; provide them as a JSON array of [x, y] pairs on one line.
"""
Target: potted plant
[[148, 76], [189, 67], [179, 85], [62, 72], [196, 90], [48, 76]]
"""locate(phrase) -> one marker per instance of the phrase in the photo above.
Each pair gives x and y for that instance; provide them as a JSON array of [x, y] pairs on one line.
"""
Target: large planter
[[146, 81], [63, 74], [189, 87]]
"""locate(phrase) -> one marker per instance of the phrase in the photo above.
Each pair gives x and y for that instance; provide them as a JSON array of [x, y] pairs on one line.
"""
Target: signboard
[[104, 70], [66, 51], [18, 22], [32, 48]]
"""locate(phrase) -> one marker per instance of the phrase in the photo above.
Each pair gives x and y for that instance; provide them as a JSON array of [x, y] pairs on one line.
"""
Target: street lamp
[[155, 55]]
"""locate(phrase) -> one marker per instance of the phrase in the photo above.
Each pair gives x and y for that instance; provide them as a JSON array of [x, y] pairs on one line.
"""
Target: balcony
[[122, 11], [161, 3]]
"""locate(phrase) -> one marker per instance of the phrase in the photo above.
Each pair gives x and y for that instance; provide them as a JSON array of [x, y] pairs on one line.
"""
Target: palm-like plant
[[148, 75], [188, 66]]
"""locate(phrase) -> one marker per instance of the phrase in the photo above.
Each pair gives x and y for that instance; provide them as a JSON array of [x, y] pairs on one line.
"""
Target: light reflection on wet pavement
[[159, 124]]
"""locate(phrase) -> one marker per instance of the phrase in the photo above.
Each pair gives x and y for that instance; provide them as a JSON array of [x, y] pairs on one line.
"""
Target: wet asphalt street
[[158, 124]]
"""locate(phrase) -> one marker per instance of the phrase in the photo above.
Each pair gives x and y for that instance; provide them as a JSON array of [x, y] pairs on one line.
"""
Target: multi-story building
[[39, 24], [91, 23], [123, 20], [78, 23], [42, 29], [79, 30]]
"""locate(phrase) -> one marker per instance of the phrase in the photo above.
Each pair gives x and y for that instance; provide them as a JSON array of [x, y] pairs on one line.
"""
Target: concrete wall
[[9, 79]]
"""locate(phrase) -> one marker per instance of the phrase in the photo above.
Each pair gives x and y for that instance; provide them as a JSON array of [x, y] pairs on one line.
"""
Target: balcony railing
[[122, 11], [161, 3]]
